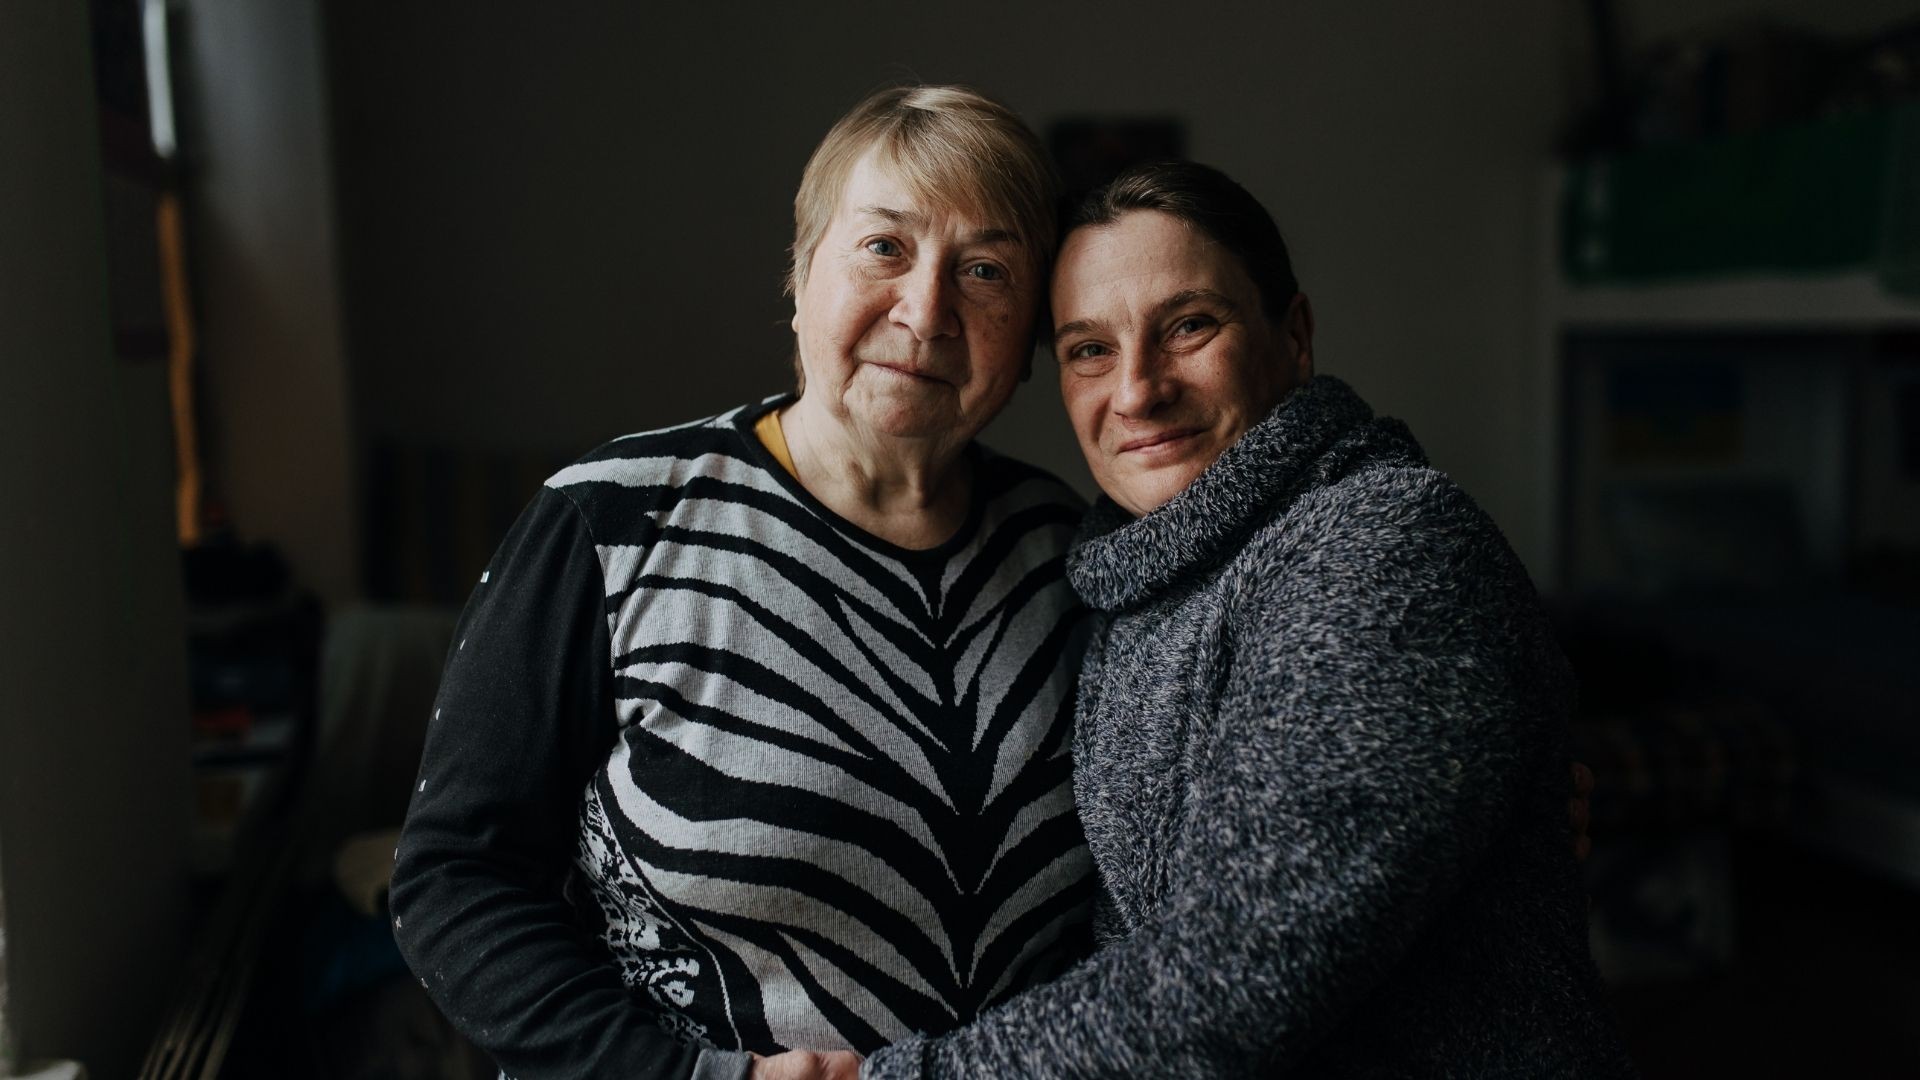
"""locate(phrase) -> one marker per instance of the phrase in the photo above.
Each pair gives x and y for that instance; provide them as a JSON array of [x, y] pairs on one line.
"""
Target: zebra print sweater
[[712, 770]]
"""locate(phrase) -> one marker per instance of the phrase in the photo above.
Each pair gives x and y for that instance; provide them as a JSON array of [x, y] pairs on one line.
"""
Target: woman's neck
[[911, 492]]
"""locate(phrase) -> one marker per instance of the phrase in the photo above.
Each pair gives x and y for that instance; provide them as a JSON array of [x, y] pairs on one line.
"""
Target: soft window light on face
[[1166, 357], [913, 320]]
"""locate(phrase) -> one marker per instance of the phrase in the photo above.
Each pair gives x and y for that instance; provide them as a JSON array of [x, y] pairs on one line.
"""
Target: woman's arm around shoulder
[[1359, 763]]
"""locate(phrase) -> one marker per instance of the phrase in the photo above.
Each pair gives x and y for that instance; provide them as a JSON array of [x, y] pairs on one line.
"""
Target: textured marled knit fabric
[[1320, 760]]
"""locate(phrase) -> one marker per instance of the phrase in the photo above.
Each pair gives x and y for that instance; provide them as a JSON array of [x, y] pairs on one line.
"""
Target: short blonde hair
[[952, 147]]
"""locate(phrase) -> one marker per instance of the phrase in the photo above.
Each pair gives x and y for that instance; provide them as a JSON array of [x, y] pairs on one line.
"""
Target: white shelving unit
[[1841, 301]]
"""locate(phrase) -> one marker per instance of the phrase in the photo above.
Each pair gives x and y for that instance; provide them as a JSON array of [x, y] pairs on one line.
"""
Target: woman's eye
[[883, 247], [985, 272], [1192, 324], [1086, 350]]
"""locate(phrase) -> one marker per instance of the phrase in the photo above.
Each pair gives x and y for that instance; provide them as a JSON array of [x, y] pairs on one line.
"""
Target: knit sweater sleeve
[[1364, 755], [523, 719]]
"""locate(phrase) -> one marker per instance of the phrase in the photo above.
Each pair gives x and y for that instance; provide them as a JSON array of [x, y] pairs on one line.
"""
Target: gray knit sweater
[[1320, 757]]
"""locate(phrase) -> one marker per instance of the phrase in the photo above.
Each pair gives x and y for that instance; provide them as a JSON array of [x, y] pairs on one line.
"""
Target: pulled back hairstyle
[[1208, 200]]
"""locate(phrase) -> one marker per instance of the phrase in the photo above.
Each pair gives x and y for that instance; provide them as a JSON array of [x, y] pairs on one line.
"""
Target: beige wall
[[93, 730], [274, 380]]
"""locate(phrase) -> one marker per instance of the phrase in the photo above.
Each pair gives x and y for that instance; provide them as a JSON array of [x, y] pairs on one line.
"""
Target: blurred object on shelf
[[1674, 412], [1754, 148], [1713, 462], [1682, 760], [252, 647], [1714, 535], [1672, 763], [1736, 78], [1823, 196], [1879, 70], [1749, 78], [1661, 907]]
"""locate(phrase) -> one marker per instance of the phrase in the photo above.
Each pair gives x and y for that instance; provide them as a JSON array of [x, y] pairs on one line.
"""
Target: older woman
[[1320, 746], [783, 695]]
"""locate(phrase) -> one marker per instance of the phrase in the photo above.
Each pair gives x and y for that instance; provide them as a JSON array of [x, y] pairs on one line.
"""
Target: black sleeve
[[524, 717]]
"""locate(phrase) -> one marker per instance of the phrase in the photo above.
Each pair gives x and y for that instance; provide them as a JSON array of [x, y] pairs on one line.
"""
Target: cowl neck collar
[[1316, 432]]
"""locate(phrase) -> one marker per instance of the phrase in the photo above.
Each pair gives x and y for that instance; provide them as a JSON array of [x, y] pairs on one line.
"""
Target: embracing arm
[[1364, 755], [523, 719]]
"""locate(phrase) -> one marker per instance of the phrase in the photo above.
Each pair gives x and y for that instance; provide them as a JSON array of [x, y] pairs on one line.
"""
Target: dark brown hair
[[1208, 200]]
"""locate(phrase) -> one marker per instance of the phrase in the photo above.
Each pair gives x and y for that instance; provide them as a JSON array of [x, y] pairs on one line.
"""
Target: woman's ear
[[1299, 334]]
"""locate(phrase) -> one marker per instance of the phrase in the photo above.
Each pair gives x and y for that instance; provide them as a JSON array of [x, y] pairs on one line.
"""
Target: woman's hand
[[807, 1065]]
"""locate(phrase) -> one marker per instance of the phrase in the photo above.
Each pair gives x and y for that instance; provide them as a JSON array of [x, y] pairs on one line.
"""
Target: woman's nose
[[925, 304], [1144, 387]]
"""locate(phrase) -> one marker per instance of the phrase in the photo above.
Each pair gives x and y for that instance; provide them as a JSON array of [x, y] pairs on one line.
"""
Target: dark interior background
[[431, 252]]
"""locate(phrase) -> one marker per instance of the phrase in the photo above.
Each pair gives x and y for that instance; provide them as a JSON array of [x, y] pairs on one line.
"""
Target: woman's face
[[914, 321], [1166, 357]]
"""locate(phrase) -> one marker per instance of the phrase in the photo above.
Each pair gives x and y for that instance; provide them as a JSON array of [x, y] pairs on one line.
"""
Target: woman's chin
[[1141, 491], [905, 415]]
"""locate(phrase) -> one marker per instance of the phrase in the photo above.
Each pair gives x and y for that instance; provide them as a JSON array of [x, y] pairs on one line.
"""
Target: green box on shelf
[[1837, 195]]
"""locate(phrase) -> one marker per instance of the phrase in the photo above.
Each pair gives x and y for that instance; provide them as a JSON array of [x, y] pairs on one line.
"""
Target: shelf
[[1853, 300]]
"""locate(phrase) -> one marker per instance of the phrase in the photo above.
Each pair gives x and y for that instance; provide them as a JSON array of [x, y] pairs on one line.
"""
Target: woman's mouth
[[906, 371], [1170, 441]]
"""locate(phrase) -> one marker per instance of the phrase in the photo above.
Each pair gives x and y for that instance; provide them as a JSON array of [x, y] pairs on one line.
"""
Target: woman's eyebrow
[[993, 236], [906, 218], [1177, 300], [1188, 296], [913, 220], [1078, 326]]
